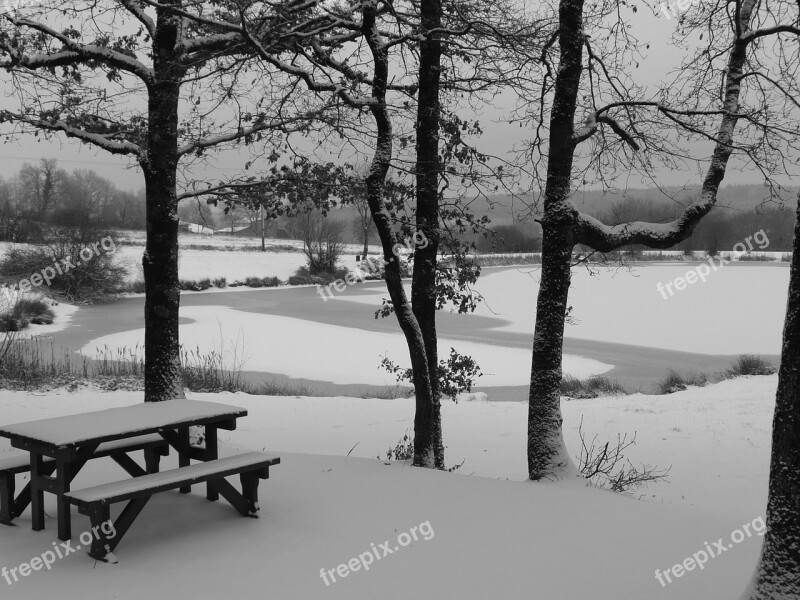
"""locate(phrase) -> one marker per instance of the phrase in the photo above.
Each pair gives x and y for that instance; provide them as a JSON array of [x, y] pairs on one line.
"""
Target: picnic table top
[[119, 423]]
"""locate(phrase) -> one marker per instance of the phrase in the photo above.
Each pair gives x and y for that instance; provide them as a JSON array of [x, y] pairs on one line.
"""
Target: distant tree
[[363, 223], [40, 186], [511, 238], [322, 240]]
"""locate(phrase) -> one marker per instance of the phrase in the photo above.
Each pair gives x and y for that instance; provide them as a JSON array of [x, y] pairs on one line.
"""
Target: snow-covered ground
[[328, 352], [737, 310], [491, 538]]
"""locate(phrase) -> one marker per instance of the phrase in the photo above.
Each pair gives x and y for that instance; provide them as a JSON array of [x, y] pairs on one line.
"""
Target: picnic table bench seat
[[14, 463], [95, 502]]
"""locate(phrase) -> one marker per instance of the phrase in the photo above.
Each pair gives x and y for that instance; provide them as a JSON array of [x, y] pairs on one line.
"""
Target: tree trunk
[[160, 262], [426, 453], [778, 574], [423, 290], [263, 229], [546, 452], [547, 456]]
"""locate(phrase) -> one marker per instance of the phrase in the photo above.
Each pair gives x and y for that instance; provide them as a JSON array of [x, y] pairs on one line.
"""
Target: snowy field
[[740, 308], [320, 509], [494, 534], [611, 305], [327, 352]]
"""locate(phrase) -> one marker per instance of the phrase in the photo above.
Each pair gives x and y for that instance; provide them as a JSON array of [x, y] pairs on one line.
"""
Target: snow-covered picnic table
[[60, 447]]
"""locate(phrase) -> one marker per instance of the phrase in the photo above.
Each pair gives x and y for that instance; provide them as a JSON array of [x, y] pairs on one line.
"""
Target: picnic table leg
[[183, 459], [63, 479], [250, 492], [37, 493], [7, 489], [212, 453], [99, 515], [152, 460]]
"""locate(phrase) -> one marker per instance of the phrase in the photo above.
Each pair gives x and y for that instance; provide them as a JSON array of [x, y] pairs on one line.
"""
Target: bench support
[[99, 511], [12, 507], [7, 485]]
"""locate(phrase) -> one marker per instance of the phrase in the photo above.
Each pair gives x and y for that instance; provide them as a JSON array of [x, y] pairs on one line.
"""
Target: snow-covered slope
[[492, 538]]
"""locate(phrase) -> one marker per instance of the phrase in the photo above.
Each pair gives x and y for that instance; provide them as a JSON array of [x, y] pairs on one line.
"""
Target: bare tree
[[564, 226], [322, 240], [84, 80]]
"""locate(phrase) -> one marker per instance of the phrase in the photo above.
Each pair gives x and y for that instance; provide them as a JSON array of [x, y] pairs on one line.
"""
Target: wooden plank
[[168, 480], [75, 430]]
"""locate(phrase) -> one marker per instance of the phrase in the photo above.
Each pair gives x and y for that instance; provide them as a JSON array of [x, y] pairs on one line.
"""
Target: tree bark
[[546, 454], [423, 290], [160, 262], [777, 576], [426, 453], [563, 227]]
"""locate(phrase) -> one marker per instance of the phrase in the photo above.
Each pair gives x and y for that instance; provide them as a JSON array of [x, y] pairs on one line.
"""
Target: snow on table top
[[118, 422], [169, 478]]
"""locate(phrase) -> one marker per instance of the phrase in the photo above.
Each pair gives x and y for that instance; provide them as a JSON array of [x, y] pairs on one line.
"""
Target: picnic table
[[70, 442]]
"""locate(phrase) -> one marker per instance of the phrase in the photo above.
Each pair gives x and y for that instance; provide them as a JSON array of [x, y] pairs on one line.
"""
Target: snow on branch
[[72, 53], [606, 238], [284, 125], [103, 141]]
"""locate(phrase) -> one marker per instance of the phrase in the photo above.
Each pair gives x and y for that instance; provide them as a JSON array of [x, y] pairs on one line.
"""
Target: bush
[[592, 387], [373, 269], [748, 364], [754, 258], [220, 282], [194, 286], [606, 467], [8, 323], [675, 382], [258, 282], [304, 276], [322, 240], [455, 375], [35, 310], [75, 261], [403, 450], [24, 312]]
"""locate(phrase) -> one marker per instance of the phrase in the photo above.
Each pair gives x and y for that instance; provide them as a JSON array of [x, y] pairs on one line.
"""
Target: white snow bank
[[298, 348], [492, 539], [738, 310]]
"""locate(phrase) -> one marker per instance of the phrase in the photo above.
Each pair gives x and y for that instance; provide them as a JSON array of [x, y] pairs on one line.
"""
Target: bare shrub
[[78, 277], [322, 240], [605, 465]]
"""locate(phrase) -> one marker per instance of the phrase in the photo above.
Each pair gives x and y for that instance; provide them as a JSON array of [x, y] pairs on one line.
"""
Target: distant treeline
[[719, 231], [43, 194]]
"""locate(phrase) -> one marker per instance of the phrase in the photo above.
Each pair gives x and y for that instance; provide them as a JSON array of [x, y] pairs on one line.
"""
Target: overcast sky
[[498, 137]]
